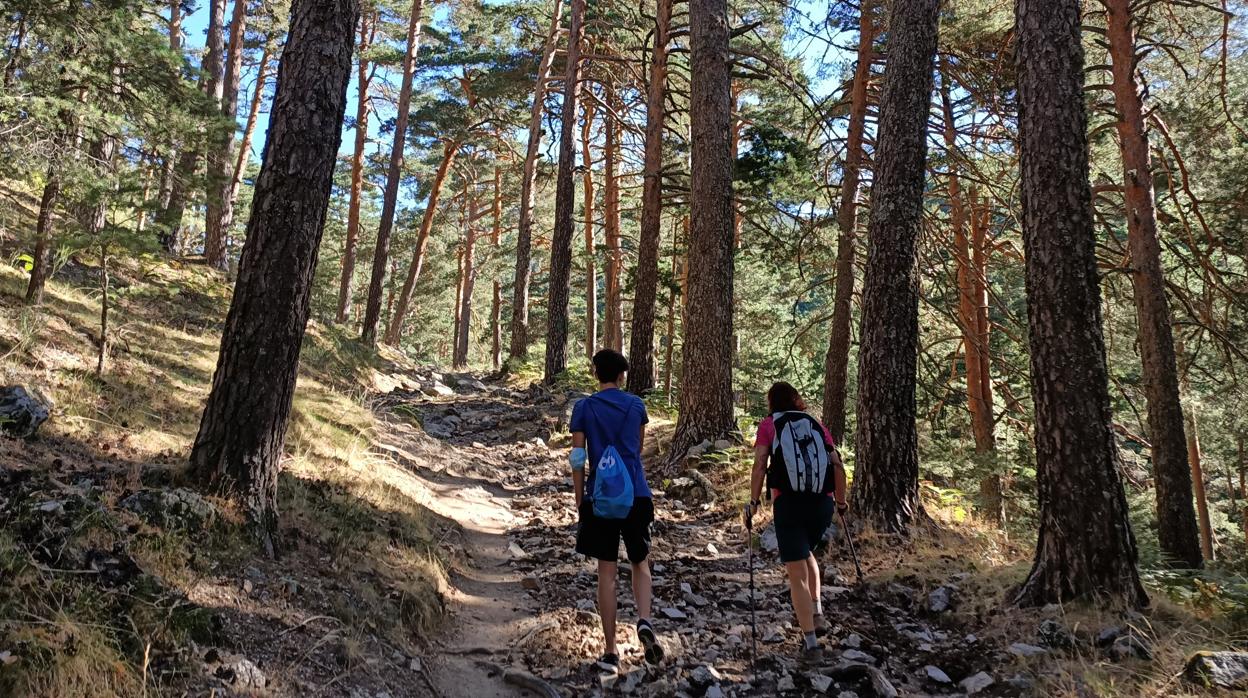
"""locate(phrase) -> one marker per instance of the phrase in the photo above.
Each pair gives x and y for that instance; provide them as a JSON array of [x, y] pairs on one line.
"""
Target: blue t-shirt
[[613, 417]]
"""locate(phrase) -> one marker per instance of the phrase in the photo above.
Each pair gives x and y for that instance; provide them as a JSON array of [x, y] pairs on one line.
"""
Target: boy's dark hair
[[609, 364], [783, 397]]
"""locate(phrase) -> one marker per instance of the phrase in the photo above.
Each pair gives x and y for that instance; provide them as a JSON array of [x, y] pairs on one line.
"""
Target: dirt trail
[[525, 600]]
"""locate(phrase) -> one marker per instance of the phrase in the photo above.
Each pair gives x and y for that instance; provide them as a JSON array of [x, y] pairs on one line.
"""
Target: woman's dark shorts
[[801, 520], [600, 538]]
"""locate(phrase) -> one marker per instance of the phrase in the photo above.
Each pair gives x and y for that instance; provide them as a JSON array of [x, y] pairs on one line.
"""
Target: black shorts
[[801, 520], [600, 538]]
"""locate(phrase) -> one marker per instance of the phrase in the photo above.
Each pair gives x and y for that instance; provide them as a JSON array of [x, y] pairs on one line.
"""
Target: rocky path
[[526, 600]]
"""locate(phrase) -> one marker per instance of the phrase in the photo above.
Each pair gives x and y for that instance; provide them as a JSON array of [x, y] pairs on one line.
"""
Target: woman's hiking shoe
[[810, 656], [650, 641], [608, 663]]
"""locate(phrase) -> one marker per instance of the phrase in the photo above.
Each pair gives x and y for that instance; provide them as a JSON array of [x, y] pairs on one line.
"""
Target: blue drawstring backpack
[[613, 484]]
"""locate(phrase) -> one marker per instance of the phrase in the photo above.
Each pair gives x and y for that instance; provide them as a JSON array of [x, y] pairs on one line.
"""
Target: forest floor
[[427, 533]]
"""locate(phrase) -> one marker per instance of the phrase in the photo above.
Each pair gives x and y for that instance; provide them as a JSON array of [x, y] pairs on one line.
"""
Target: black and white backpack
[[798, 450]]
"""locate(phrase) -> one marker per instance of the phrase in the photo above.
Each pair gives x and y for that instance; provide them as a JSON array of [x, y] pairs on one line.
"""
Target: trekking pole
[[850, 539], [749, 541]]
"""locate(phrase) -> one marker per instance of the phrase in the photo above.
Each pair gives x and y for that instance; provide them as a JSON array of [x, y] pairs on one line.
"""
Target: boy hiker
[[614, 501], [798, 459]]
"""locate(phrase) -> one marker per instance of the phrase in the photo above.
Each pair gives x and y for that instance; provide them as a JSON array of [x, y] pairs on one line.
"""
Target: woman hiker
[[796, 458], [616, 419]]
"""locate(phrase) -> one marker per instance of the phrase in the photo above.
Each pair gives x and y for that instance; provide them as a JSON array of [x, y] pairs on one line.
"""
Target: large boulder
[[692, 488], [21, 413], [1218, 669]]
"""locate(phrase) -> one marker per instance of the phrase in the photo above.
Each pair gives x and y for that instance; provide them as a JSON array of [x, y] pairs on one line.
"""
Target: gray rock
[[940, 600], [767, 539], [1218, 669], [242, 674], [673, 613], [847, 694], [703, 676], [436, 388], [935, 674], [723, 445], [820, 683], [857, 656], [1022, 649], [1130, 646], [1106, 637], [1054, 635], [173, 508], [714, 691], [852, 640], [22, 413], [976, 682], [786, 684]]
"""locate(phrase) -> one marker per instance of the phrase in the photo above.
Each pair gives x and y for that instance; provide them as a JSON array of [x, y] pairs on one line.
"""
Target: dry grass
[[135, 424]]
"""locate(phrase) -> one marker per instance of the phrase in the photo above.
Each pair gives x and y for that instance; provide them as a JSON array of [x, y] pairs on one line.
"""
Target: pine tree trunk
[[992, 486], [241, 437], [390, 197], [1198, 484], [670, 338], [587, 207], [979, 405], [706, 368], [41, 267], [1176, 519], [470, 280], [363, 80], [519, 345], [561, 241], [1085, 547], [395, 329], [496, 302], [169, 158], [836, 362], [243, 157], [641, 333], [172, 233], [223, 77], [457, 308], [886, 477], [613, 327]]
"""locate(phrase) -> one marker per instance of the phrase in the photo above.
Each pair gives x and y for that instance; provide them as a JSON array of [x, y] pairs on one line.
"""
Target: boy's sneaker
[[821, 625], [650, 641], [809, 657], [608, 663]]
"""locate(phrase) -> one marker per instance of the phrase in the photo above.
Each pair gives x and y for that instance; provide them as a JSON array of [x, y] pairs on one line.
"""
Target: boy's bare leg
[[607, 603]]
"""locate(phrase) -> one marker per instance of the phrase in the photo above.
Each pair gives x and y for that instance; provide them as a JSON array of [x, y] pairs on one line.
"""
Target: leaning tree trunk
[[1198, 481], [886, 479], [390, 197], [243, 157], [587, 209], [469, 283], [395, 330], [1085, 547], [836, 362], [41, 267], [242, 434], [363, 79], [613, 326], [706, 373], [641, 332], [561, 241], [519, 346], [1176, 519]]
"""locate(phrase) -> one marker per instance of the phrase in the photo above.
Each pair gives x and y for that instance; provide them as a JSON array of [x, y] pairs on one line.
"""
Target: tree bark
[[390, 197], [519, 345], [976, 351], [886, 478], [1176, 519], [41, 266], [223, 78], [706, 370], [587, 207], [641, 333], [670, 336], [836, 362], [1085, 547], [1198, 482], [496, 302], [253, 116], [241, 437], [395, 329], [363, 80], [561, 241], [613, 327], [470, 280]]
